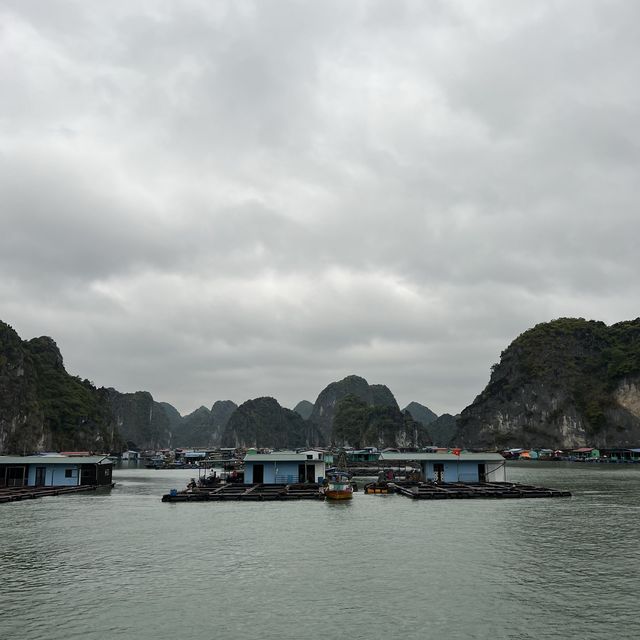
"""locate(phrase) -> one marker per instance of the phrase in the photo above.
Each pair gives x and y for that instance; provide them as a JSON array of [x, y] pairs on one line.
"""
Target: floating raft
[[461, 490], [13, 494], [247, 492]]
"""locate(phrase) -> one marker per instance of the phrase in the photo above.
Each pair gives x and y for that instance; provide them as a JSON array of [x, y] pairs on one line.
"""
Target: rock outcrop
[[204, 427], [565, 384], [173, 415], [141, 421], [304, 408], [264, 423], [443, 430], [358, 424], [422, 414], [42, 407], [324, 409]]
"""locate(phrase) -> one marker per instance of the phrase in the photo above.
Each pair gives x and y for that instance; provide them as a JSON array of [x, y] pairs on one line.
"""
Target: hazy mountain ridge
[[204, 427], [443, 430], [304, 408], [262, 422], [565, 383], [421, 413], [325, 406]]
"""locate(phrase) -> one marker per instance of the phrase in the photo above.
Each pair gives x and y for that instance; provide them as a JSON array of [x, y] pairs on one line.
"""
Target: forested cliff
[[42, 407], [565, 383]]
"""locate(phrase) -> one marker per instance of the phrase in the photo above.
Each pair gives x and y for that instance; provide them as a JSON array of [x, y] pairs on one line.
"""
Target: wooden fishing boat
[[337, 486]]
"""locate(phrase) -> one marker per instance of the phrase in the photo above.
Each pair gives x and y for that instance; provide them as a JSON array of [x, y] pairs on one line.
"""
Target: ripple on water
[[125, 565]]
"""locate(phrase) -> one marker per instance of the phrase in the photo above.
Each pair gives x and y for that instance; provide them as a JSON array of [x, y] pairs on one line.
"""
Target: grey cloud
[[213, 200]]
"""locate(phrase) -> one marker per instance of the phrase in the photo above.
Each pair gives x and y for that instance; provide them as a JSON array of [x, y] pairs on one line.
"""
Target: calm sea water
[[124, 565]]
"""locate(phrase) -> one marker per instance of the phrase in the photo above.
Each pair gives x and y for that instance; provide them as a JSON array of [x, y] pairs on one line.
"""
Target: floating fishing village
[[276, 475], [323, 475], [313, 474]]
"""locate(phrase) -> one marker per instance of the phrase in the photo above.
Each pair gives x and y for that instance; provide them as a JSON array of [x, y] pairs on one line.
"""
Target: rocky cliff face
[[42, 407], [173, 415], [264, 423], [358, 424], [141, 422], [324, 409], [564, 384], [443, 430]]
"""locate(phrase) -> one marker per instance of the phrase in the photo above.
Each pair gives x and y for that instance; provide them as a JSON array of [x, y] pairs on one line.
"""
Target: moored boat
[[337, 487], [377, 487]]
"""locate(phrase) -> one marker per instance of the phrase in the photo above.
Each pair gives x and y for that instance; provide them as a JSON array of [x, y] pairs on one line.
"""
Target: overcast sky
[[223, 200]]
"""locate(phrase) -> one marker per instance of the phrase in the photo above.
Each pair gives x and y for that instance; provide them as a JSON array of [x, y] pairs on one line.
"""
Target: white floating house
[[55, 471], [449, 467], [284, 467]]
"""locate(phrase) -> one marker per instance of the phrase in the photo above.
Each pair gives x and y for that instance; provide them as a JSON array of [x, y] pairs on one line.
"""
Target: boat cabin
[[452, 467], [55, 471], [283, 467]]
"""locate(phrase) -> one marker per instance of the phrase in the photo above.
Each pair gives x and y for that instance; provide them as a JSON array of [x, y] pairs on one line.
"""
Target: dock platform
[[247, 492], [466, 490], [14, 494]]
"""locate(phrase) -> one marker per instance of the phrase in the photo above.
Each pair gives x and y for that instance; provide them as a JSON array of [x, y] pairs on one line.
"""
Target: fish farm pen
[[444, 491], [14, 494], [247, 492], [414, 490]]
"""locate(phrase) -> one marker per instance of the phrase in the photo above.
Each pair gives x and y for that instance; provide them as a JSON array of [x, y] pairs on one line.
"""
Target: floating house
[[55, 471], [452, 467], [620, 455], [284, 467], [369, 454], [320, 454], [585, 454], [131, 456]]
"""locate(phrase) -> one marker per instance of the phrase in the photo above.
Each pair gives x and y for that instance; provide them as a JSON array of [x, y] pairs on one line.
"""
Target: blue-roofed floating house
[[55, 471], [449, 467], [284, 467], [620, 455]]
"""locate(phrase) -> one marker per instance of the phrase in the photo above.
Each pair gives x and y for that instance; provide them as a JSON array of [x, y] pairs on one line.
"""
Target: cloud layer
[[233, 199]]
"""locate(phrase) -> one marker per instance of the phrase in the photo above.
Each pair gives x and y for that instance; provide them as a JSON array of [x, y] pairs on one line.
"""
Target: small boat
[[377, 487], [337, 486]]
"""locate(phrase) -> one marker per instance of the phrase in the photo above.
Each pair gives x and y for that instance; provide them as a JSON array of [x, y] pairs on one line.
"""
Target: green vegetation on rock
[[558, 384], [325, 406], [42, 406], [262, 422], [359, 424]]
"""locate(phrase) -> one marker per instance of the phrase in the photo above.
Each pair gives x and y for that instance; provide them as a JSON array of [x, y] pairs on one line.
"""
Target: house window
[[68, 473], [309, 456]]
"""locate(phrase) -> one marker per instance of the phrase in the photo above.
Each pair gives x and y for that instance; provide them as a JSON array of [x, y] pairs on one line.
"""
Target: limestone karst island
[[564, 390]]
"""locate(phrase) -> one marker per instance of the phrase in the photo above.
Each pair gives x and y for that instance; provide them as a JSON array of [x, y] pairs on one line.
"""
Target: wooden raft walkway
[[463, 490], [13, 494], [247, 492]]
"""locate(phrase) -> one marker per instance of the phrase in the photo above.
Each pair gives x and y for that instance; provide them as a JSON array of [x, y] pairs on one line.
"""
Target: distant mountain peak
[[304, 408], [421, 413], [324, 409]]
